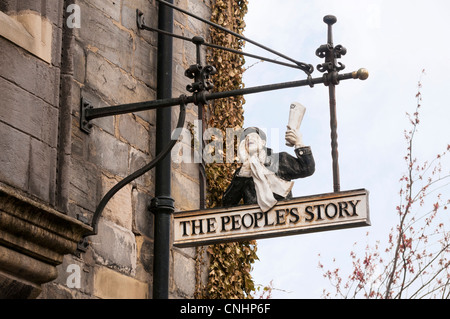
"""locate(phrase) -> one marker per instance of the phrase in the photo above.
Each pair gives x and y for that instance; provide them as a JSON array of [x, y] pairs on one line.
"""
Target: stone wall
[[29, 101], [43, 152]]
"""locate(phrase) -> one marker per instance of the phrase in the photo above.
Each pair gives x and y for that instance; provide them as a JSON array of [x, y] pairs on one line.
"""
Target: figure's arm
[[290, 167], [305, 161], [303, 165]]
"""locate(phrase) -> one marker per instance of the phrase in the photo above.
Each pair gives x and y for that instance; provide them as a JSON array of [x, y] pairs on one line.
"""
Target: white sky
[[394, 40]]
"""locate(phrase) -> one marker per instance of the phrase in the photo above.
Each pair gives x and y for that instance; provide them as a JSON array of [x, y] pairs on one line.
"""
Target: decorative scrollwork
[[330, 53], [202, 76], [202, 81]]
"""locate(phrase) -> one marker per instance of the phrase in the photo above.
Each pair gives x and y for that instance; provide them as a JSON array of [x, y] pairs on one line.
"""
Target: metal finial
[[329, 19], [362, 74]]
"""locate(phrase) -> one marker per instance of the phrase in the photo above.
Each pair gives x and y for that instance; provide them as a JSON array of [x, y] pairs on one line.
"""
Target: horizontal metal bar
[[250, 55], [303, 66], [218, 47], [263, 88], [146, 27], [91, 114]]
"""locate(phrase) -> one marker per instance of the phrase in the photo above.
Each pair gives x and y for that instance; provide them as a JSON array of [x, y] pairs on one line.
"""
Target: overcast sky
[[394, 40]]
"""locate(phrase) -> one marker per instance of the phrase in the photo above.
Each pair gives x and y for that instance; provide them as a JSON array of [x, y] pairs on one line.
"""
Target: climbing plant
[[230, 264]]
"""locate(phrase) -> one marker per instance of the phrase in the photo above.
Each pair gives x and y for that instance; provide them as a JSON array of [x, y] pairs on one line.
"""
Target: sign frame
[[307, 214]]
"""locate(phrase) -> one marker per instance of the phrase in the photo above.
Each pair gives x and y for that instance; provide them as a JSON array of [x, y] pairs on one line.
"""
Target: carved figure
[[266, 177]]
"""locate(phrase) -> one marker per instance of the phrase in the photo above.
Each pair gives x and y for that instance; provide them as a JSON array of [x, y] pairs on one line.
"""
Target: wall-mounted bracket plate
[[85, 126], [140, 19]]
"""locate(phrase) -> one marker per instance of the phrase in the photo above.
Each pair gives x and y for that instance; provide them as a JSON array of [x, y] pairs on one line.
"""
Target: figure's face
[[253, 143]]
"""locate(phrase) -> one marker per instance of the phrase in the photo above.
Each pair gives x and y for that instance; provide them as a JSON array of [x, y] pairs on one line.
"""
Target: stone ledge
[[33, 240]]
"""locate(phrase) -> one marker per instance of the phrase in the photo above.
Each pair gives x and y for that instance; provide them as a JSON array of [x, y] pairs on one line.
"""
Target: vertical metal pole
[[334, 143], [330, 20], [163, 204]]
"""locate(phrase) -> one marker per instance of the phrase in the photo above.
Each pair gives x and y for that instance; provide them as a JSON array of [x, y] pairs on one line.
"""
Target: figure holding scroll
[[266, 177]]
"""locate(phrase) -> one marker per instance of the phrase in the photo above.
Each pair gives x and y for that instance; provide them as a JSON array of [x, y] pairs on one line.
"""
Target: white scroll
[[296, 114]]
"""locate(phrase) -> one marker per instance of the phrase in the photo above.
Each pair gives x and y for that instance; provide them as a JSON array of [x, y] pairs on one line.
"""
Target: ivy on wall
[[230, 264]]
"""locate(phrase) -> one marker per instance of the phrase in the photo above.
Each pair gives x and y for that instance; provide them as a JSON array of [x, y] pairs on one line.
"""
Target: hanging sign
[[290, 217]]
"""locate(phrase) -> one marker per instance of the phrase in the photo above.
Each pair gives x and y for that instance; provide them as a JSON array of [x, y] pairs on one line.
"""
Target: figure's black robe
[[283, 164]]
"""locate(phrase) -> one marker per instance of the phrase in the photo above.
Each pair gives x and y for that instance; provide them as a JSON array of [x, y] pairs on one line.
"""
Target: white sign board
[[296, 216]]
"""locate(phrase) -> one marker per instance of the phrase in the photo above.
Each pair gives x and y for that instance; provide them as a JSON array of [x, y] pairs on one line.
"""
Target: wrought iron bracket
[[93, 113], [83, 244], [85, 126], [140, 21], [202, 77], [200, 90]]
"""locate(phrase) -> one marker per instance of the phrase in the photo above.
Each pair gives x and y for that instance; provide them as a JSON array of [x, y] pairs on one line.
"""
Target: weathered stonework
[[34, 239], [61, 173]]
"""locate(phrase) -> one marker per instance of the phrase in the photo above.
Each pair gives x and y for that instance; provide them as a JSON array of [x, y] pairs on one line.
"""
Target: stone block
[[107, 152], [14, 160], [179, 79], [29, 72], [115, 247], [187, 251], [83, 182], [109, 284], [42, 176], [137, 161], [79, 63], [70, 100], [145, 253], [150, 115], [150, 13], [178, 47], [49, 125], [119, 208], [103, 35], [110, 8], [179, 17], [28, 113], [145, 62], [29, 5], [191, 169], [190, 50], [56, 47], [143, 220], [202, 10], [53, 12], [134, 133], [115, 85], [78, 146], [185, 192], [184, 274]]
